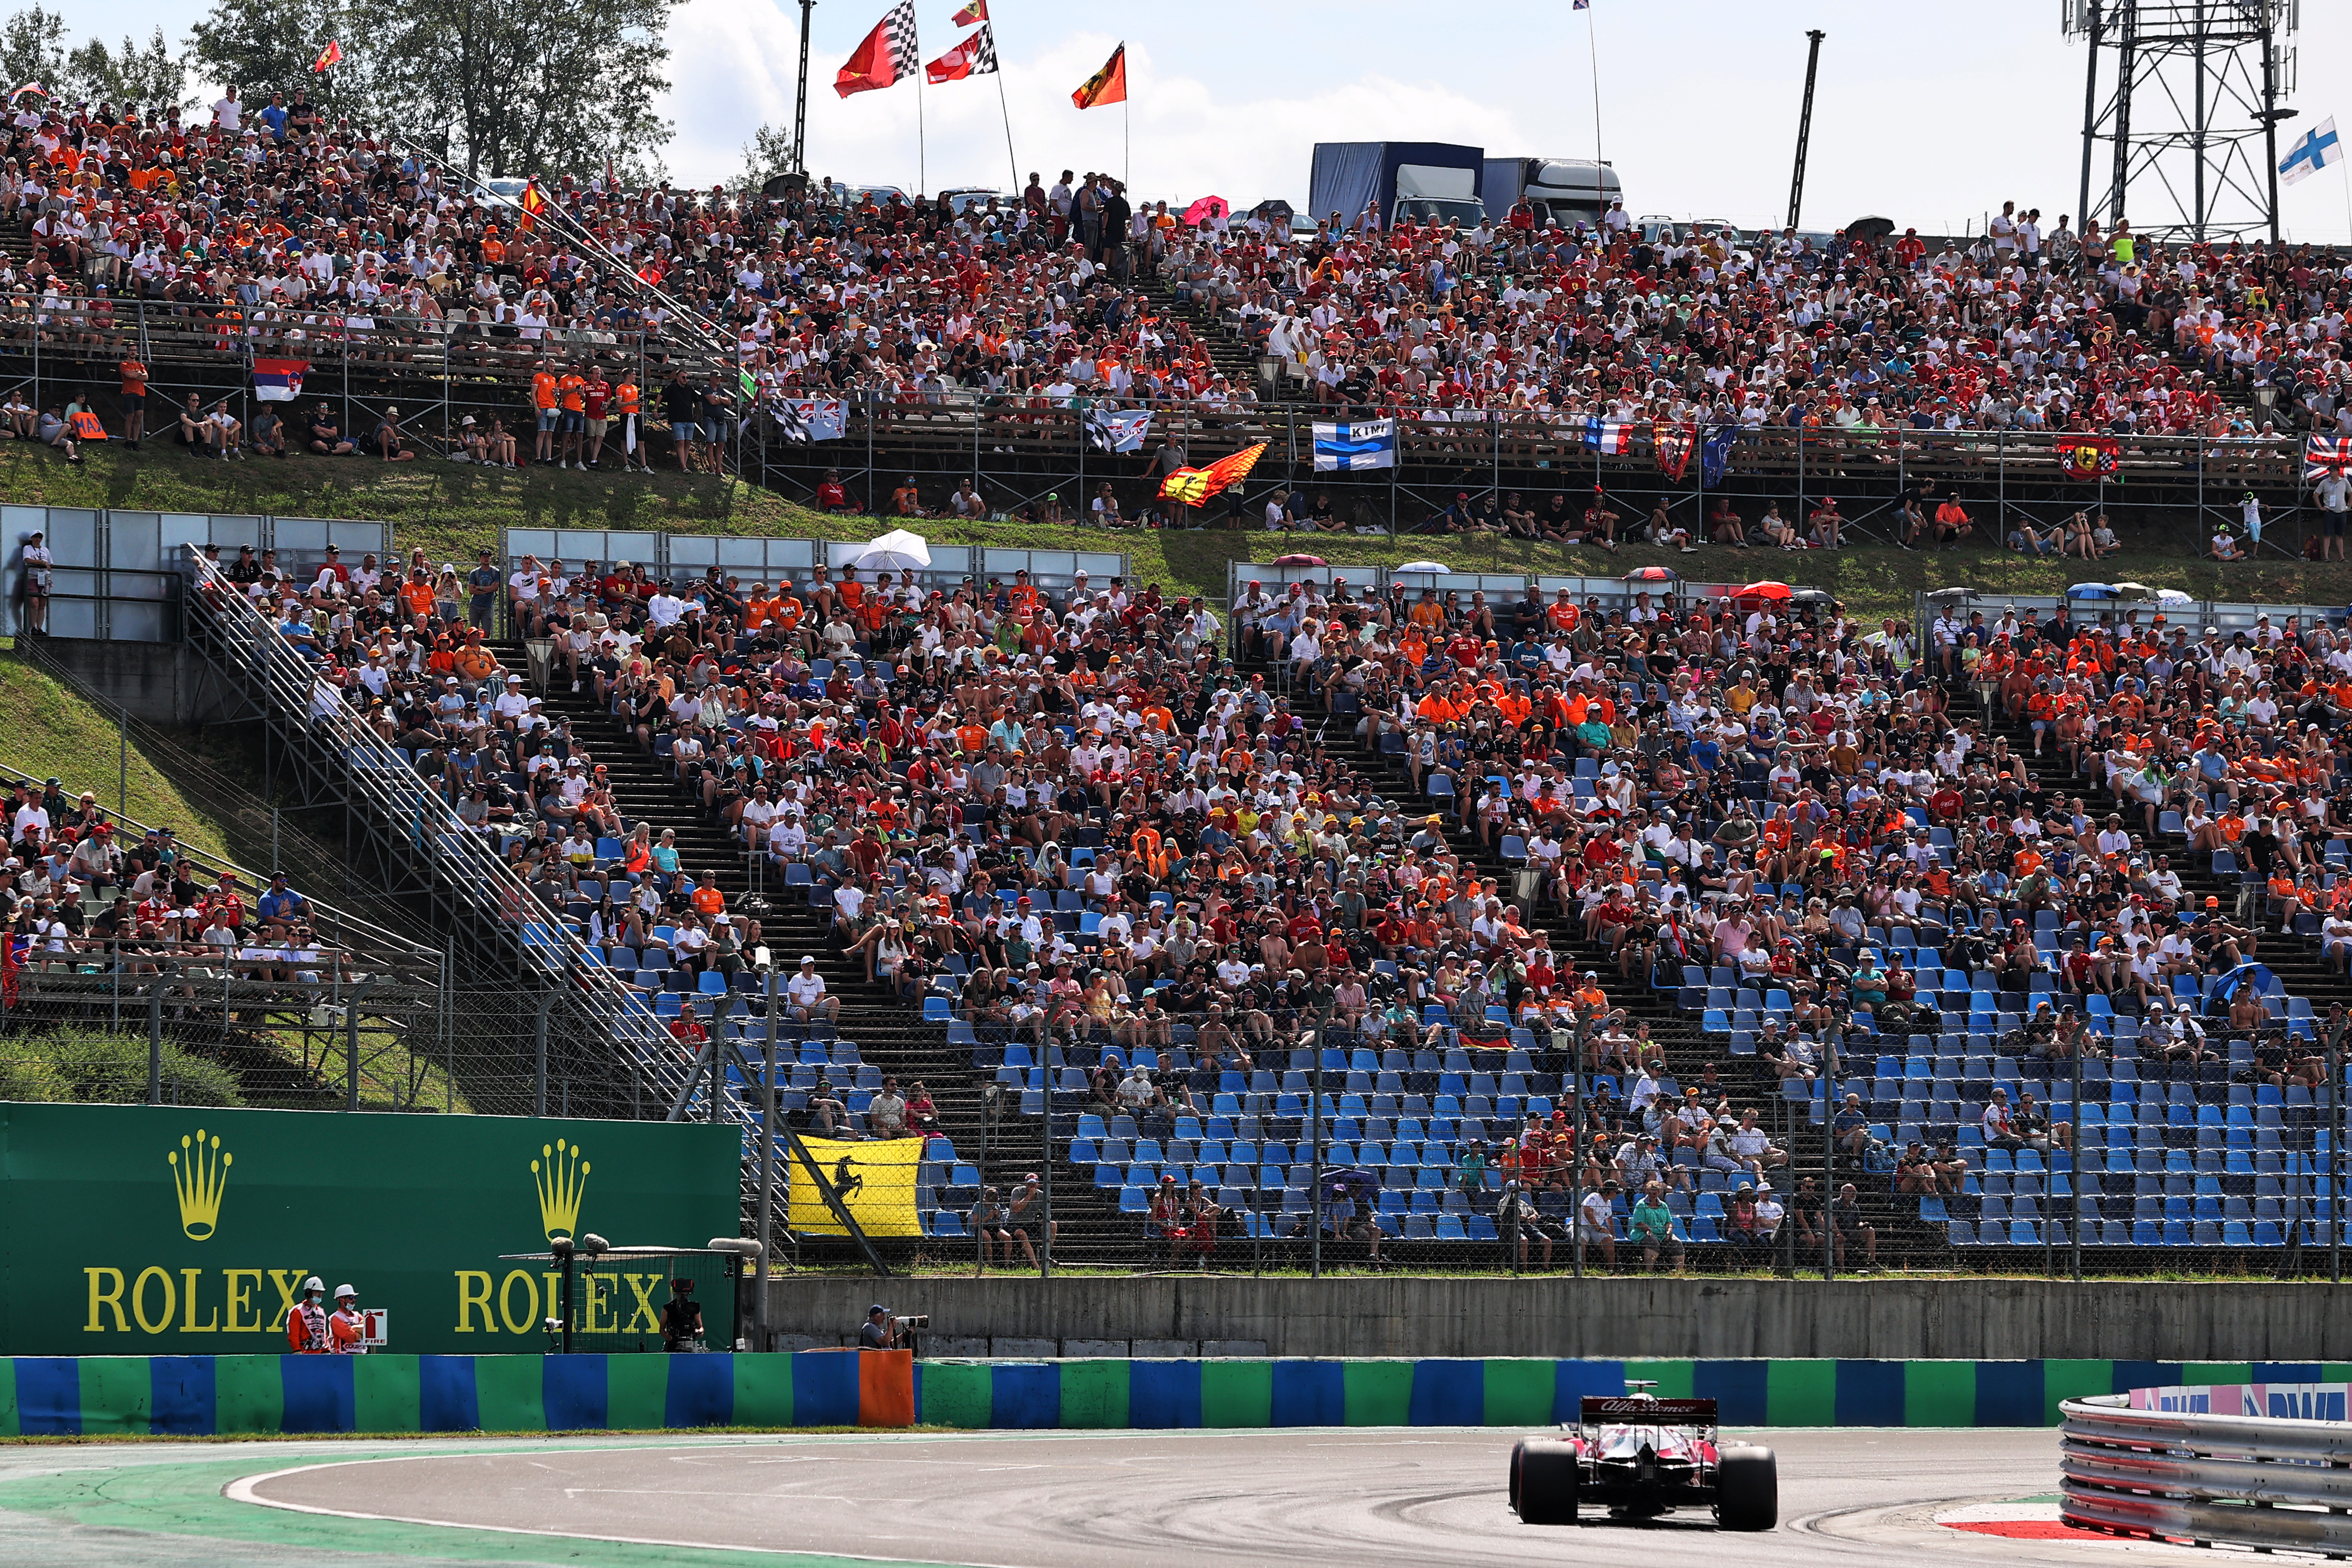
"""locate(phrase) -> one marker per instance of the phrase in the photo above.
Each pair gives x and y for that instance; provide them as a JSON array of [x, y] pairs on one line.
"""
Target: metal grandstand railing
[[471, 892]]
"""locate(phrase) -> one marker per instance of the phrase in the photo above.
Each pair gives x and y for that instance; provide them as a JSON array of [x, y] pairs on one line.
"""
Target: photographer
[[881, 1331]]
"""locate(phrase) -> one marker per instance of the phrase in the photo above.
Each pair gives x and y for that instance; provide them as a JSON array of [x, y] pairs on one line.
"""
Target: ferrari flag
[[1107, 85], [889, 53], [976, 56], [1193, 487], [332, 55], [2088, 457], [874, 1180], [975, 12]]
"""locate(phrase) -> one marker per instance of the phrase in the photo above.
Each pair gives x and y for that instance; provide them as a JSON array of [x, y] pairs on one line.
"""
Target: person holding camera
[[881, 1329]]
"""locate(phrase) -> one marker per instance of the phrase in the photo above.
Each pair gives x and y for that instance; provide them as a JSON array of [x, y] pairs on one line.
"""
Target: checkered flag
[[983, 59], [975, 56], [898, 31], [889, 53]]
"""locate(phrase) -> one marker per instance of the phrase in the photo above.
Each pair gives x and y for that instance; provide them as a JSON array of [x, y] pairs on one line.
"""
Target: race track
[[1058, 1500]]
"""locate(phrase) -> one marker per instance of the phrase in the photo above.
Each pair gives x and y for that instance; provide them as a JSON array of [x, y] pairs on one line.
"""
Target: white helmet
[[313, 1283], [345, 1291]]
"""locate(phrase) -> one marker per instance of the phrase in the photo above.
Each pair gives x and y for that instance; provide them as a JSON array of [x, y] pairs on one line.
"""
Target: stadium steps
[[1902, 1239], [888, 1030], [1235, 359], [2293, 958]]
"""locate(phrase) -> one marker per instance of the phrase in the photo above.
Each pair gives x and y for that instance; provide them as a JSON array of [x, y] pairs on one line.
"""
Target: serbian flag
[[1193, 487], [976, 56], [975, 12], [1107, 85], [332, 55], [532, 203], [889, 53], [278, 380]]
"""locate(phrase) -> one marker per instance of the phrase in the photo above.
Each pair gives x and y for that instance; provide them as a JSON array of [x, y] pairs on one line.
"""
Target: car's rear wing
[[1594, 1409]]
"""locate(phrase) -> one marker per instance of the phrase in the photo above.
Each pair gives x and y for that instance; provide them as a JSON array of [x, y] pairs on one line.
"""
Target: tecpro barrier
[[95, 1396], [203, 1395]]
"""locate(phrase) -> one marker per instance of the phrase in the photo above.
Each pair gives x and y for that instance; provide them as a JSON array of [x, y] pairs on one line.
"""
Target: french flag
[[1609, 434], [278, 380]]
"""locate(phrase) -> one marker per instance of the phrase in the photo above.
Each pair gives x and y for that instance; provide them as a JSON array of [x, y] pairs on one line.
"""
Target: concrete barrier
[[96, 1396], [1552, 1316]]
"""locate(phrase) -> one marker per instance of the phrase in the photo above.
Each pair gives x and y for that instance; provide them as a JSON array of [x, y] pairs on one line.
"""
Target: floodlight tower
[[2181, 113]]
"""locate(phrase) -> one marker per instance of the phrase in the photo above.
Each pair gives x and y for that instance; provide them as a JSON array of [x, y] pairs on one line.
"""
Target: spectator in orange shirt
[[572, 418], [545, 401]]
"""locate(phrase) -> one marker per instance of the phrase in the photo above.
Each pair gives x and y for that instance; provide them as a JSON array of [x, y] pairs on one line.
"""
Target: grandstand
[[1494, 876]]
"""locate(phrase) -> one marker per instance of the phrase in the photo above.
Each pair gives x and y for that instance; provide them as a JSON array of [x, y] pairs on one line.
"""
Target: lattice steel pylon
[[2181, 105]]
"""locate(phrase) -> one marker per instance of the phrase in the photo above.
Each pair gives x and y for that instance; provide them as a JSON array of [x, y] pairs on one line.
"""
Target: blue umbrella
[[2093, 591]]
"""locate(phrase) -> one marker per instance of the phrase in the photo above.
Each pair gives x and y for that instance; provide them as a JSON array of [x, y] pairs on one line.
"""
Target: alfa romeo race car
[[1641, 1457]]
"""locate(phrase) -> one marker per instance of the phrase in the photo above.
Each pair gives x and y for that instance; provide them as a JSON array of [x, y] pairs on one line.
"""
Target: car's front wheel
[[1747, 1487], [1544, 1474]]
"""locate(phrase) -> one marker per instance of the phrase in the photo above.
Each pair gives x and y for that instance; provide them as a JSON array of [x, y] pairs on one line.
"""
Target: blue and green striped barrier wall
[[203, 1395]]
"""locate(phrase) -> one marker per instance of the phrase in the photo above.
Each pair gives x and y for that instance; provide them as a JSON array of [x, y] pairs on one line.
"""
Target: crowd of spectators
[[80, 897], [273, 227]]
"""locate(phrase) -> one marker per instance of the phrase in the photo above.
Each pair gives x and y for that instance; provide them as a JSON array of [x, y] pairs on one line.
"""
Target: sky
[[1930, 112]]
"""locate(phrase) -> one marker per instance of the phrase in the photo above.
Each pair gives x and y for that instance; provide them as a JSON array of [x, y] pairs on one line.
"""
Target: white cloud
[[735, 66]]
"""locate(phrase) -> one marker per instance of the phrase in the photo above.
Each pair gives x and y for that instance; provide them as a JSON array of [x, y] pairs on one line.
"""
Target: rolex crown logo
[[199, 1172], [563, 1176]]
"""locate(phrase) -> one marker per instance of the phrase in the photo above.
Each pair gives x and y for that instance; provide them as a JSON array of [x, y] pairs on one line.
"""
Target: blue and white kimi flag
[[813, 418], [1609, 434], [1366, 444], [1117, 432], [2319, 149]]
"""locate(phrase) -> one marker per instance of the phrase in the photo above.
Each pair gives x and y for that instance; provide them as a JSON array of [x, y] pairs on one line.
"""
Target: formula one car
[[1641, 1457]]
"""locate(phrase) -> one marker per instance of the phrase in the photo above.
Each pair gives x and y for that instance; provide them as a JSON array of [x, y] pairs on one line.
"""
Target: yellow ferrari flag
[[1193, 487], [876, 1181]]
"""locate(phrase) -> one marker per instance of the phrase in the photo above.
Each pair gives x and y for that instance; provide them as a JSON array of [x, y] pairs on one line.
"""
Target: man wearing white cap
[[806, 991]]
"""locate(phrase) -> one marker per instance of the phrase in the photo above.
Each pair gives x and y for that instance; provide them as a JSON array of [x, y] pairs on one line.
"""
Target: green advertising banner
[[141, 1230]]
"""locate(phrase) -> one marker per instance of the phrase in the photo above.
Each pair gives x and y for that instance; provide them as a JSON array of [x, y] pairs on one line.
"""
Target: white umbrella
[[895, 551], [1426, 566]]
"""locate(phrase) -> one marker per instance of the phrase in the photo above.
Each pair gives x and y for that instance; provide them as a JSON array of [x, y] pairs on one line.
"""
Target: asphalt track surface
[[1111, 1499]]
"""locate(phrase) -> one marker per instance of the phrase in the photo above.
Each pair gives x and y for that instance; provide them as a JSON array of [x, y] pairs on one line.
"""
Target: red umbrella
[[1318, 561], [1763, 590], [1208, 209], [1653, 574]]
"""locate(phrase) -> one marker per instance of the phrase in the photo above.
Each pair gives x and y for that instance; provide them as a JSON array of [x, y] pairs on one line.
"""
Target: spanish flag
[[1107, 85], [533, 205], [1193, 487]]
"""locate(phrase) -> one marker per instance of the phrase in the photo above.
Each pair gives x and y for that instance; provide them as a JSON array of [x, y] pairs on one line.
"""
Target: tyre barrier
[[2246, 1480]]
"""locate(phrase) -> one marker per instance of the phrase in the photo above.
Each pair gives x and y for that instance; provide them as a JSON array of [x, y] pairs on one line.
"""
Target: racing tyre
[[1543, 1480], [1747, 1487]]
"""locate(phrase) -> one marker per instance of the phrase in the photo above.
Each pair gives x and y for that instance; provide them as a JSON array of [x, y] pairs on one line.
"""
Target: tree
[[32, 49], [530, 87], [152, 76], [766, 156], [268, 45], [497, 87]]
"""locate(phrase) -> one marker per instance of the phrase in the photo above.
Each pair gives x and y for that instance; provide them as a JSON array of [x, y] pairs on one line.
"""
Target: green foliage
[[766, 156], [268, 45], [502, 87], [33, 49], [148, 75], [94, 1067]]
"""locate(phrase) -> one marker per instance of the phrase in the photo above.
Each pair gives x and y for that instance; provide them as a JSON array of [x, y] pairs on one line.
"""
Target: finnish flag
[[2318, 150], [1366, 444]]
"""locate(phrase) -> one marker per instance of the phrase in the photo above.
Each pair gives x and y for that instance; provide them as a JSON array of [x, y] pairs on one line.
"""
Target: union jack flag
[[2327, 455]]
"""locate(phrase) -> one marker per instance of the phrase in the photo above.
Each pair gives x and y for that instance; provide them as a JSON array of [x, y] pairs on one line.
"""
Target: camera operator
[[881, 1331]]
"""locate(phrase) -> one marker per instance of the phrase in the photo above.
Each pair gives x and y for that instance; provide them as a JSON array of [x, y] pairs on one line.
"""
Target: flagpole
[[922, 152], [1593, 42], [1010, 157]]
